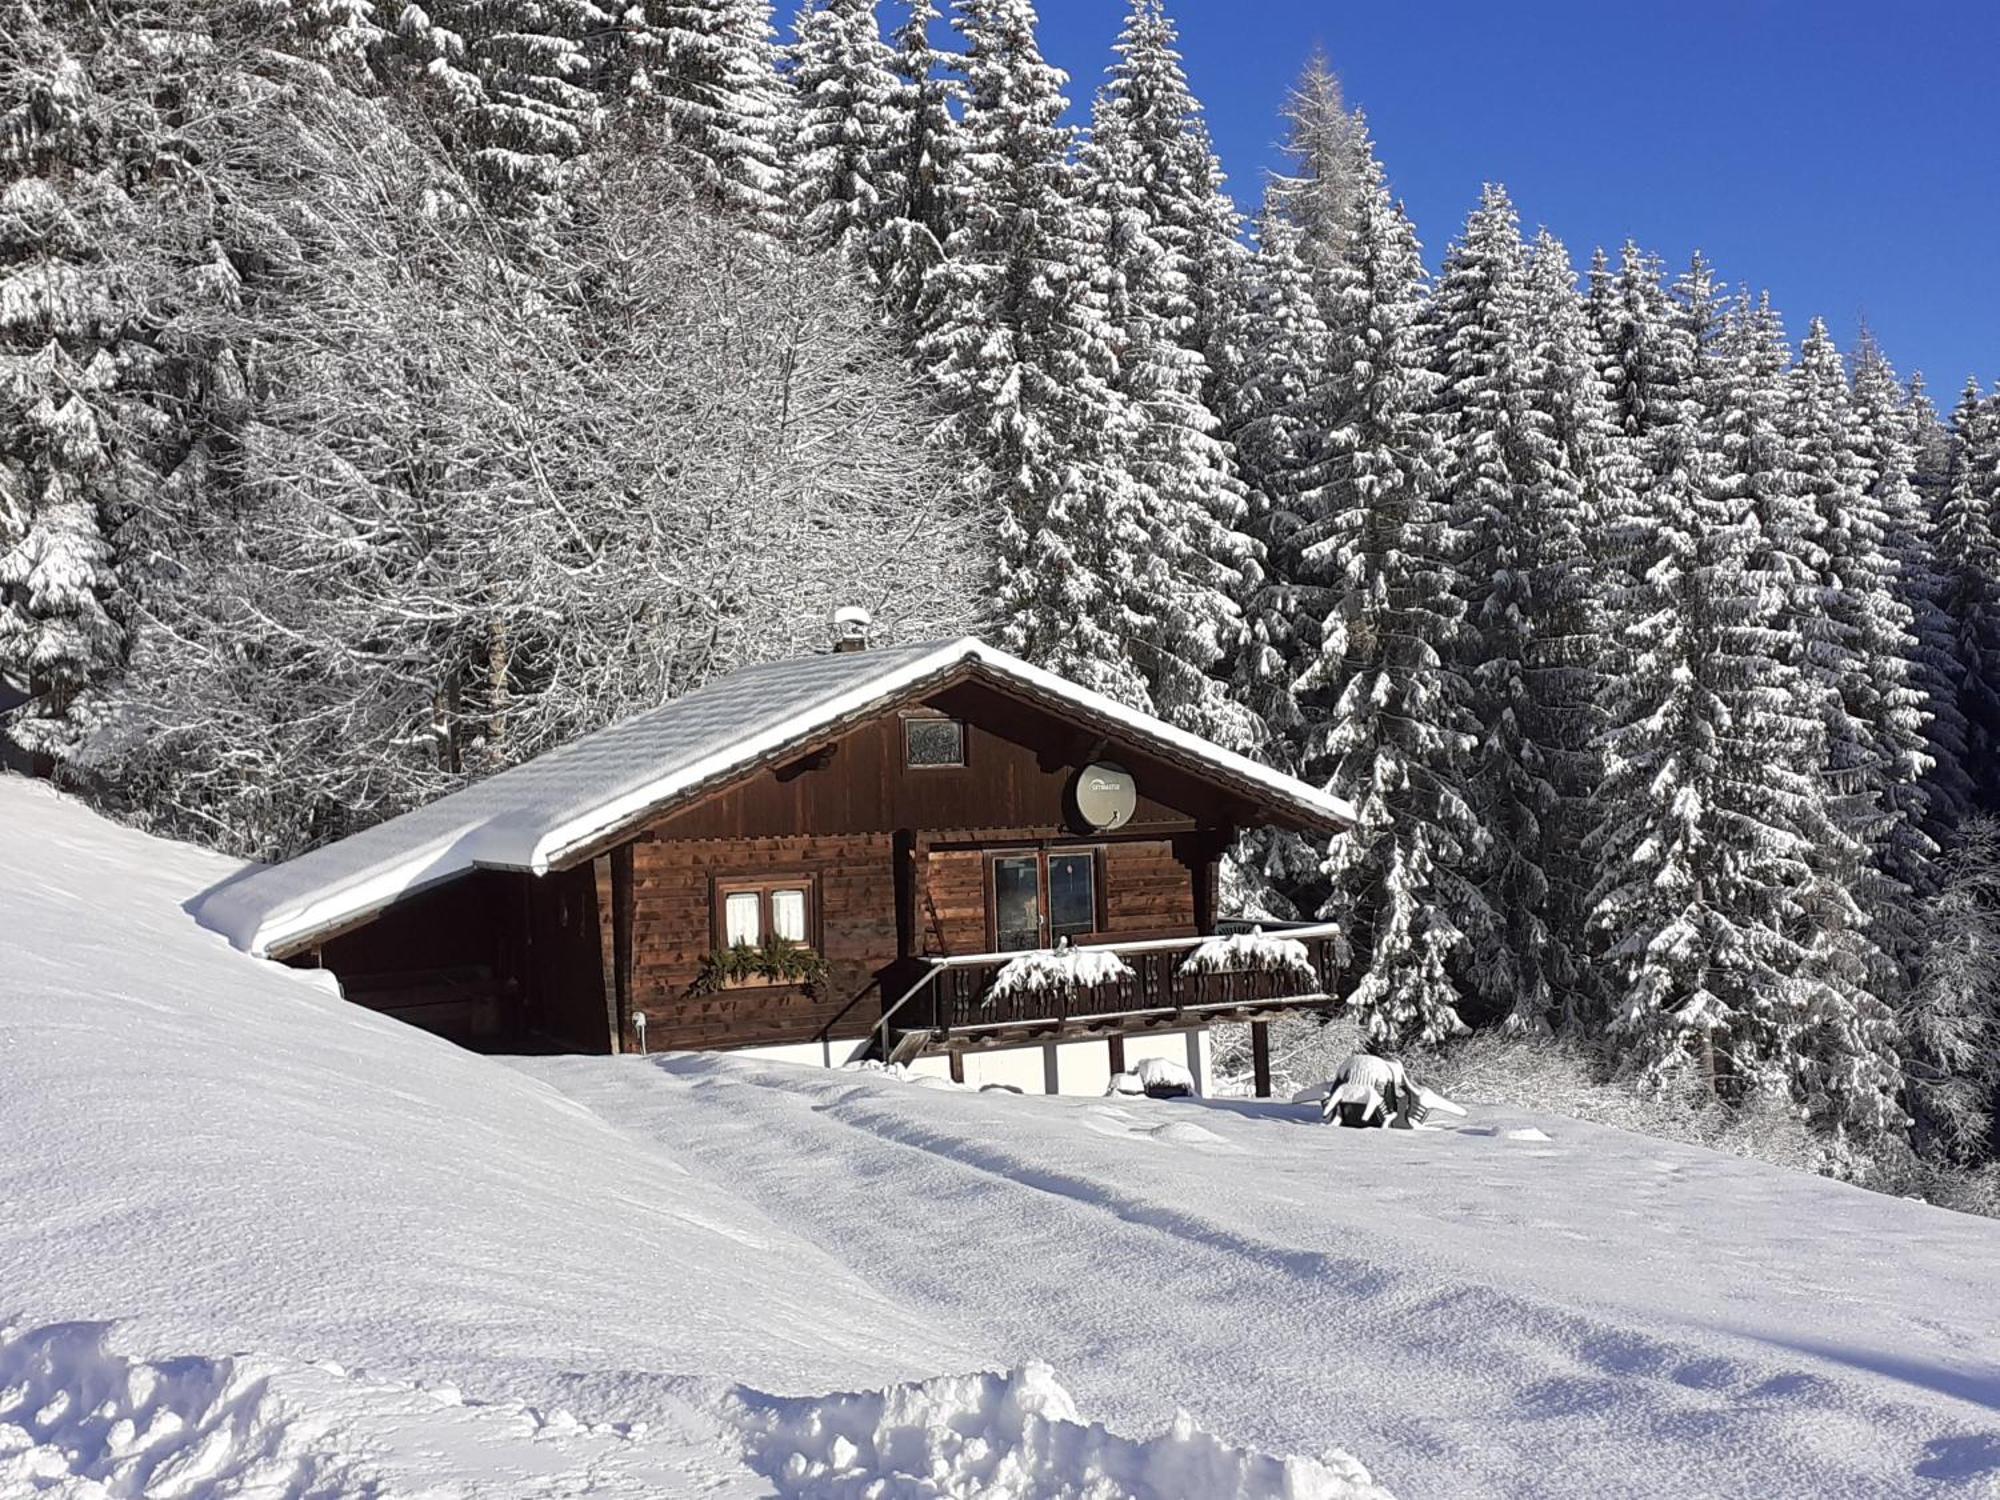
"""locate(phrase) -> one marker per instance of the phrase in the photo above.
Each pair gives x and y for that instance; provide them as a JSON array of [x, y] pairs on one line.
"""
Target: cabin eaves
[[551, 811]]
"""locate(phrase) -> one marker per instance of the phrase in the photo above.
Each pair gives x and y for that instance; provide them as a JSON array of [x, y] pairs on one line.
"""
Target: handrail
[[938, 966], [944, 962]]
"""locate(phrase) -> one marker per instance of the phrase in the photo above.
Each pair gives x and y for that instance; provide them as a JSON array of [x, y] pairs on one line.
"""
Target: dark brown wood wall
[[1019, 762], [449, 926], [673, 911], [1151, 893], [564, 979]]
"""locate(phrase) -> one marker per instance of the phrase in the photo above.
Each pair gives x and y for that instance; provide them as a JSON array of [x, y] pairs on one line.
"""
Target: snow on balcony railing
[[961, 993], [1062, 970]]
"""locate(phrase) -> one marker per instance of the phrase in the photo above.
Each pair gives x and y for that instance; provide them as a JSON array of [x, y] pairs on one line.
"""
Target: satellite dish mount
[[1102, 797]]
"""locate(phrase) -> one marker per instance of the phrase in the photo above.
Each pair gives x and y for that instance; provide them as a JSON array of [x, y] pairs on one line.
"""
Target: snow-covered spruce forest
[[389, 391]]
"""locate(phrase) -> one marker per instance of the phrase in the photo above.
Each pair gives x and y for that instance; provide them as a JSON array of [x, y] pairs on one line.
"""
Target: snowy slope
[[1520, 1307], [254, 1240], [257, 1241]]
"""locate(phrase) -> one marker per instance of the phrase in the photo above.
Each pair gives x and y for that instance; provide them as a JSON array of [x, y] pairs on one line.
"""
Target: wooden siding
[[952, 902], [673, 929], [1149, 892], [1019, 763]]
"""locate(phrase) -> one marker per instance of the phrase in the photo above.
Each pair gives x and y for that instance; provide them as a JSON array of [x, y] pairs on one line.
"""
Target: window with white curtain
[[788, 914], [754, 912], [742, 918]]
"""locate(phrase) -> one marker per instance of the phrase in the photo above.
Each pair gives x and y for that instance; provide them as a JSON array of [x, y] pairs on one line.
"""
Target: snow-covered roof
[[541, 814]]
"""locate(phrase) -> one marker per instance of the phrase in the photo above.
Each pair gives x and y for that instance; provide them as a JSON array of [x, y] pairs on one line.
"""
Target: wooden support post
[[1260, 1057], [904, 846], [613, 889], [622, 916], [1204, 861], [1117, 1046]]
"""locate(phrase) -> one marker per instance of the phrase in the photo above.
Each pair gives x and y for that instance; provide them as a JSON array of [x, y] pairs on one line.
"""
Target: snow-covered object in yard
[[536, 815], [1056, 971], [1432, 1100], [1253, 952], [1124, 1083], [1018, 1436], [1162, 1078], [901, 1072]]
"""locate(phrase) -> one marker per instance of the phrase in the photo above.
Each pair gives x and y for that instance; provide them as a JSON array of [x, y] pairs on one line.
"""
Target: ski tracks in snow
[[1048, 1236]]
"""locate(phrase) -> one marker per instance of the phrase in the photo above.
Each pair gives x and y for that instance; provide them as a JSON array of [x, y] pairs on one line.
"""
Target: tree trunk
[[498, 662]]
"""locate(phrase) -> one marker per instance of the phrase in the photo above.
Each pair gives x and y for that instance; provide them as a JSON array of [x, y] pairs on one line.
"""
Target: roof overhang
[[1303, 806], [301, 924]]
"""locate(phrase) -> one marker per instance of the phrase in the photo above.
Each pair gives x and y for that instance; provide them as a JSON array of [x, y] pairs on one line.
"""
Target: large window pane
[[741, 921], [788, 915], [1017, 902], [1072, 894]]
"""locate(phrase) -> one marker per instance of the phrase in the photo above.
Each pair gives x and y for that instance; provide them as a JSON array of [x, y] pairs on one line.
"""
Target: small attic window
[[931, 743]]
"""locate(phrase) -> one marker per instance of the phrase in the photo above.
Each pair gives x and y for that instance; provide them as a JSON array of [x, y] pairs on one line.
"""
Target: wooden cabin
[[823, 858]]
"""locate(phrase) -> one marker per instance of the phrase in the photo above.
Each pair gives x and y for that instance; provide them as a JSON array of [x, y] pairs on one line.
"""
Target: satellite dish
[[1104, 795]]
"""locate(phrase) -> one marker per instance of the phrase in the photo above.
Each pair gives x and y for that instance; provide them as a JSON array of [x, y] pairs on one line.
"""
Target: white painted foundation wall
[[1045, 1068]]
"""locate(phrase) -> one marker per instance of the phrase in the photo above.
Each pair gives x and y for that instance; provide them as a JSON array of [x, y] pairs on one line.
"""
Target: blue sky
[[1844, 154]]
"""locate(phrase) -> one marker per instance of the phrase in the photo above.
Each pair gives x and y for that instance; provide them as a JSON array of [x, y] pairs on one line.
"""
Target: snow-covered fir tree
[[1513, 361], [1266, 350], [920, 172], [1950, 1020], [1145, 175], [1588, 479], [537, 105], [1318, 192], [1020, 344], [1888, 433], [1656, 900], [69, 477], [1877, 752], [841, 156], [1373, 554], [1930, 441], [1274, 341], [1968, 553], [709, 68]]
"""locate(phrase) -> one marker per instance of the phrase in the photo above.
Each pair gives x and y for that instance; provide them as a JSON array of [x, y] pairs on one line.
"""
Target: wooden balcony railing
[[956, 996]]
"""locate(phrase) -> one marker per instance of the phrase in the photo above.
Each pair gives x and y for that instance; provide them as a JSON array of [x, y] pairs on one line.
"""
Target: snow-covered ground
[[256, 1241], [1521, 1305]]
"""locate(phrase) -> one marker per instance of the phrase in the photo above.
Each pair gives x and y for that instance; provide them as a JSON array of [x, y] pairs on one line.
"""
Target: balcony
[[993, 999]]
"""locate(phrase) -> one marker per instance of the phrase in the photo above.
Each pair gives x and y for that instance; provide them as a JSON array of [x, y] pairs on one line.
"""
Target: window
[[929, 744], [1017, 902], [750, 912], [1039, 898], [1072, 895]]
